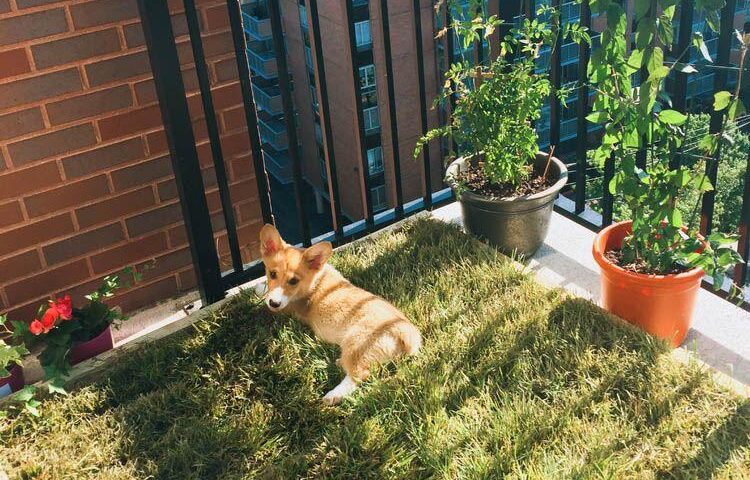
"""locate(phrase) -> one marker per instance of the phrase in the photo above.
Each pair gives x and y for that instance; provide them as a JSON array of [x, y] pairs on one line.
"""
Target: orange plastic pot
[[662, 305]]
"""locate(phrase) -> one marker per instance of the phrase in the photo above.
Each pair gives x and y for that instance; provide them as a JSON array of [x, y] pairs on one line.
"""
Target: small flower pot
[[13, 383], [662, 305], [514, 225], [91, 348]]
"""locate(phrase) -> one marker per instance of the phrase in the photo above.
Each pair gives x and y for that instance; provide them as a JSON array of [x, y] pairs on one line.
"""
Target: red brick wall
[[86, 185]]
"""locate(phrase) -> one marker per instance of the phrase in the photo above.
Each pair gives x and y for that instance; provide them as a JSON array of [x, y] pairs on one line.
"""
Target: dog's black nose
[[273, 303]]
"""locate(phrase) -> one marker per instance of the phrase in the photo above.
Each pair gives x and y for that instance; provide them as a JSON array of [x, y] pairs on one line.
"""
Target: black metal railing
[[574, 203]]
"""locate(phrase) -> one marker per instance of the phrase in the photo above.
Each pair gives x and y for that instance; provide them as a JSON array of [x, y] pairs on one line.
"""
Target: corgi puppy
[[368, 329]]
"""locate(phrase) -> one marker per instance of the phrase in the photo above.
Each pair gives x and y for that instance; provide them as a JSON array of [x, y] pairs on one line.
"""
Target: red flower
[[64, 307], [36, 327], [49, 318]]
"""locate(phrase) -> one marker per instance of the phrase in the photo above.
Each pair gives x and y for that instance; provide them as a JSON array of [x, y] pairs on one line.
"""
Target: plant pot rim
[[562, 179], [599, 249], [98, 335]]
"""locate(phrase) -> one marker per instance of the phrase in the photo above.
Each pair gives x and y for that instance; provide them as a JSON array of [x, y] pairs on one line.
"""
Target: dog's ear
[[317, 255], [270, 240]]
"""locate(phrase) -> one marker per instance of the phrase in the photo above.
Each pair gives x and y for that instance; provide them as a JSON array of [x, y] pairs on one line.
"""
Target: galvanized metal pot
[[513, 225]]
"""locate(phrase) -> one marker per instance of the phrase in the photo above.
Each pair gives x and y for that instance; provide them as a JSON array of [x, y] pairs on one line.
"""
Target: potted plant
[[505, 186], [652, 264], [68, 335], [11, 368]]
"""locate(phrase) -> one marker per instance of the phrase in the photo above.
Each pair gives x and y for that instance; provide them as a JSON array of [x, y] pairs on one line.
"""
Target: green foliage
[[639, 118], [9, 354], [729, 183], [497, 103], [86, 323]]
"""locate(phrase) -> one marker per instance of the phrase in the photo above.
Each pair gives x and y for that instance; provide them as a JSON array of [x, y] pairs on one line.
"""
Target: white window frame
[[362, 33], [379, 197], [367, 77], [372, 116], [303, 16], [375, 160], [323, 169]]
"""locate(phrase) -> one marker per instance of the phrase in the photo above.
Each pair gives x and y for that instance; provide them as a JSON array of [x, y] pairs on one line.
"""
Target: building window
[[367, 77], [375, 160], [323, 169], [303, 16], [308, 57], [379, 202], [372, 119], [314, 97], [362, 33]]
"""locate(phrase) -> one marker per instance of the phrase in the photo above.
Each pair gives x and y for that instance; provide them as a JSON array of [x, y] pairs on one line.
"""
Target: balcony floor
[[720, 335]]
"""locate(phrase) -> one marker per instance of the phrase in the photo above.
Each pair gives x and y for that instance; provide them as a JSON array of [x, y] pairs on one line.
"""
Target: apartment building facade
[[369, 64]]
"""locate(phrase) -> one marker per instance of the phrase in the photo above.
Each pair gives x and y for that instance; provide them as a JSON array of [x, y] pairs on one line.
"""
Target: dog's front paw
[[332, 398], [343, 389]]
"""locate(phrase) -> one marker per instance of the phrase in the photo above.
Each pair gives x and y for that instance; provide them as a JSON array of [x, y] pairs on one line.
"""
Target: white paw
[[332, 398], [343, 389]]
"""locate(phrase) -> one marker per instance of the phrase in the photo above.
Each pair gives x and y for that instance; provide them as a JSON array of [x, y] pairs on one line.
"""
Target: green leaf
[[597, 117], [672, 117], [635, 61], [701, 46], [685, 68], [25, 394], [708, 144], [641, 9], [56, 386], [676, 218], [721, 100], [736, 109]]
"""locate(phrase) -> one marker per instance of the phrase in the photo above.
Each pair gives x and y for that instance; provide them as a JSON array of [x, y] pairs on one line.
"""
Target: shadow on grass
[[506, 371]]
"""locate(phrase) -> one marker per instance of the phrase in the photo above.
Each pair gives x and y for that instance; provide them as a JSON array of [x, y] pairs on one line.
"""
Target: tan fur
[[368, 328]]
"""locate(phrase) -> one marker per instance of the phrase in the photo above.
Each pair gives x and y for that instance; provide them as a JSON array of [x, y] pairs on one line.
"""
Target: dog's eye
[[293, 281], [272, 274]]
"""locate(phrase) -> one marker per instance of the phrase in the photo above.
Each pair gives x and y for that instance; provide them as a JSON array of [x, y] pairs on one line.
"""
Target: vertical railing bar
[[450, 55], [743, 245], [213, 133], [274, 13], [608, 200], [365, 169], [320, 76], [584, 55], [479, 44], [641, 154], [528, 8], [717, 118], [385, 24], [679, 96], [243, 68], [170, 89], [507, 11], [555, 79], [426, 164]]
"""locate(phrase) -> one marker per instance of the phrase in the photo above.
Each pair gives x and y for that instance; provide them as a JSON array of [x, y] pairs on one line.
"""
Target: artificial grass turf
[[514, 381]]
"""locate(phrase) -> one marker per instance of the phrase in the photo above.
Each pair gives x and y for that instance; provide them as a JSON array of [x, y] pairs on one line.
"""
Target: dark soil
[[476, 182], [615, 256]]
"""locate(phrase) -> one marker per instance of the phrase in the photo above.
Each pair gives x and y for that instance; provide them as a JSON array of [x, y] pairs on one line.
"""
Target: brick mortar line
[[50, 128], [88, 256], [77, 151], [45, 297], [111, 195]]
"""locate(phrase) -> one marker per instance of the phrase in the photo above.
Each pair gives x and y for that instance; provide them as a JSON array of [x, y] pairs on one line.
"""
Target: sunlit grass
[[514, 381]]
